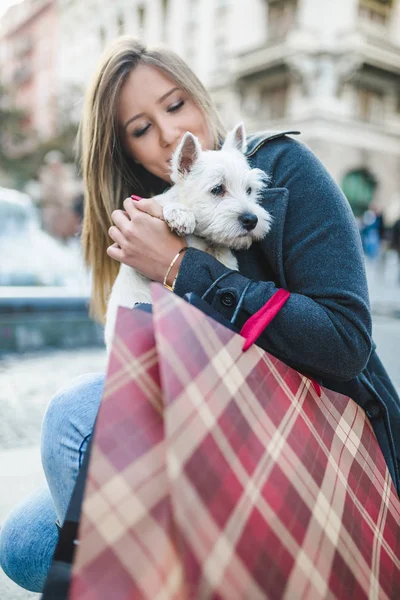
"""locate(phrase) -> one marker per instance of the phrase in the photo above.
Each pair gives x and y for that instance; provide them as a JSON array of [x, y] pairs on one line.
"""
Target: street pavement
[[383, 276], [29, 381], [27, 384], [384, 290], [20, 474]]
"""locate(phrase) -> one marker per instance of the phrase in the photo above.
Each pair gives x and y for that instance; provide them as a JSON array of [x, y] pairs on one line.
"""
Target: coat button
[[228, 299]]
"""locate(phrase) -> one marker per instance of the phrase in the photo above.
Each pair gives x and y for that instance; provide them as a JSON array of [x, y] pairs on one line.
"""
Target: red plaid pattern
[[218, 474]]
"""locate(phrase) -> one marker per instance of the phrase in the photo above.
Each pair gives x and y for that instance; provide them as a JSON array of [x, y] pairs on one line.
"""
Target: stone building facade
[[28, 48], [329, 68]]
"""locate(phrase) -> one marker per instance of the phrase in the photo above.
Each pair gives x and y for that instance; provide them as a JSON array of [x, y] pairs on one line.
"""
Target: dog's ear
[[236, 139], [185, 155]]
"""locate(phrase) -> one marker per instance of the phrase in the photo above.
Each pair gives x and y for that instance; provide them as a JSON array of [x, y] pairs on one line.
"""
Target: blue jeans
[[29, 536]]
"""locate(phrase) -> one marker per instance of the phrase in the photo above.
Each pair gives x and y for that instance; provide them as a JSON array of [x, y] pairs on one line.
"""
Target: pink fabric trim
[[254, 326], [315, 385]]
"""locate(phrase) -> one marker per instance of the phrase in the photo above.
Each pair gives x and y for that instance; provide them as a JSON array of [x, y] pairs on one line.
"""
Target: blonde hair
[[109, 174]]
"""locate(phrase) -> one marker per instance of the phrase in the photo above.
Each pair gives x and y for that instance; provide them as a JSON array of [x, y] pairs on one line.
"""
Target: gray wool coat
[[314, 251]]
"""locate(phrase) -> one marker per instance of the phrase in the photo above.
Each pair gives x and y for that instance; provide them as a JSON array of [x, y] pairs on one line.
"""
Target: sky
[[4, 4]]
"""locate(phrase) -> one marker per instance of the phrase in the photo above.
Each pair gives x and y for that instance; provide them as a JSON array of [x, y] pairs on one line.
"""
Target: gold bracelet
[[173, 261]]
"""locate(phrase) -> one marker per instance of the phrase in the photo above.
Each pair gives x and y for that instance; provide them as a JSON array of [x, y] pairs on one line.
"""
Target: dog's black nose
[[248, 220]]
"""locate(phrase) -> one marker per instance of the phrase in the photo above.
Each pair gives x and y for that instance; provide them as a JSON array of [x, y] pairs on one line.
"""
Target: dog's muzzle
[[248, 221]]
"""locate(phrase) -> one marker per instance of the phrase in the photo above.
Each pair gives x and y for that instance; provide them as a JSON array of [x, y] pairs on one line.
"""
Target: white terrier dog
[[214, 202]]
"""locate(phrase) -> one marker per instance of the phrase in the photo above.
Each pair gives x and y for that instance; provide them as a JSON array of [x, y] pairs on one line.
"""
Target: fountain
[[44, 287]]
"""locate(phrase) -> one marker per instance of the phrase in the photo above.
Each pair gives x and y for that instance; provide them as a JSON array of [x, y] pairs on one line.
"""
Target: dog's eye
[[218, 190], [248, 191]]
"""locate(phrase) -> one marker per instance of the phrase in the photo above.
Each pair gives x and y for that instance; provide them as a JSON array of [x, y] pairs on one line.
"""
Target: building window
[[220, 53], [120, 24], [164, 18], [141, 18], [192, 31], [369, 104], [23, 47], [281, 17], [359, 188], [221, 30], [102, 37], [274, 102], [222, 6], [22, 74], [377, 11], [164, 8]]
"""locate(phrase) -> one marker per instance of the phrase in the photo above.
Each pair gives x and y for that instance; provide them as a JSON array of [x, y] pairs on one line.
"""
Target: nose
[[169, 136], [248, 220]]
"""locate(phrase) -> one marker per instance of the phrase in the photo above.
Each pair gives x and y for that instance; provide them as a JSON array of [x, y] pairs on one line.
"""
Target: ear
[[236, 139], [186, 155]]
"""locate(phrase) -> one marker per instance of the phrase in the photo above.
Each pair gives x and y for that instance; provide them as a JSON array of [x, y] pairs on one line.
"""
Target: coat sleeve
[[324, 329]]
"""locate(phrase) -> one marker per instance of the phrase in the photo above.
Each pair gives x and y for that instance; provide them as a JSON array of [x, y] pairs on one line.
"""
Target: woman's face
[[154, 114]]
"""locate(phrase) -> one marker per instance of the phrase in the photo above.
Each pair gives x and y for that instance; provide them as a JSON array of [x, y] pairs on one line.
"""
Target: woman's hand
[[142, 238]]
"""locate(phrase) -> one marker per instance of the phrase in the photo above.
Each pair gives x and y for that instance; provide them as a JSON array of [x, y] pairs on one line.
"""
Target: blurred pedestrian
[[383, 242], [395, 242], [370, 234], [140, 104], [77, 208]]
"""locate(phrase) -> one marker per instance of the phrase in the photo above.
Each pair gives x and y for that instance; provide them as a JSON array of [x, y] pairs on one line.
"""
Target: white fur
[[210, 223]]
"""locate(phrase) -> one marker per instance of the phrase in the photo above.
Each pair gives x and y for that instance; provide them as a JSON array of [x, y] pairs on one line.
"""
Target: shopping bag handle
[[257, 323]]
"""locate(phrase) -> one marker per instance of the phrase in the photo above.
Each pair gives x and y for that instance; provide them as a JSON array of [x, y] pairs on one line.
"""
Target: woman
[[140, 105]]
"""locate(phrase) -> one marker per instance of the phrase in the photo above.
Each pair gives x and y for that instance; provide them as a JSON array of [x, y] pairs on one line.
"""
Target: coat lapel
[[275, 201], [264, 260]]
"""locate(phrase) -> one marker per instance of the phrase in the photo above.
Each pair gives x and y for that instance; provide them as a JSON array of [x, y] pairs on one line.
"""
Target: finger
[[130, 208], [117, 236], [147, 205], [151, 207], [121, 220], [115, 252]]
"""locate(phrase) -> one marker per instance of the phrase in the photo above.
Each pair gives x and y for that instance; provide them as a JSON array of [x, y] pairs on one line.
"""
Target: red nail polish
[[135, 197]]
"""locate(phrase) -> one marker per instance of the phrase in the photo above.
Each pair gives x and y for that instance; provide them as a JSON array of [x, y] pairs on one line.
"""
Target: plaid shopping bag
[[222, 474]]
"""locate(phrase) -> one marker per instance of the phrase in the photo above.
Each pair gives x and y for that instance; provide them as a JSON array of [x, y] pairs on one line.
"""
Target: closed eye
[[175, 107], [139, 132], [218, 190]]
